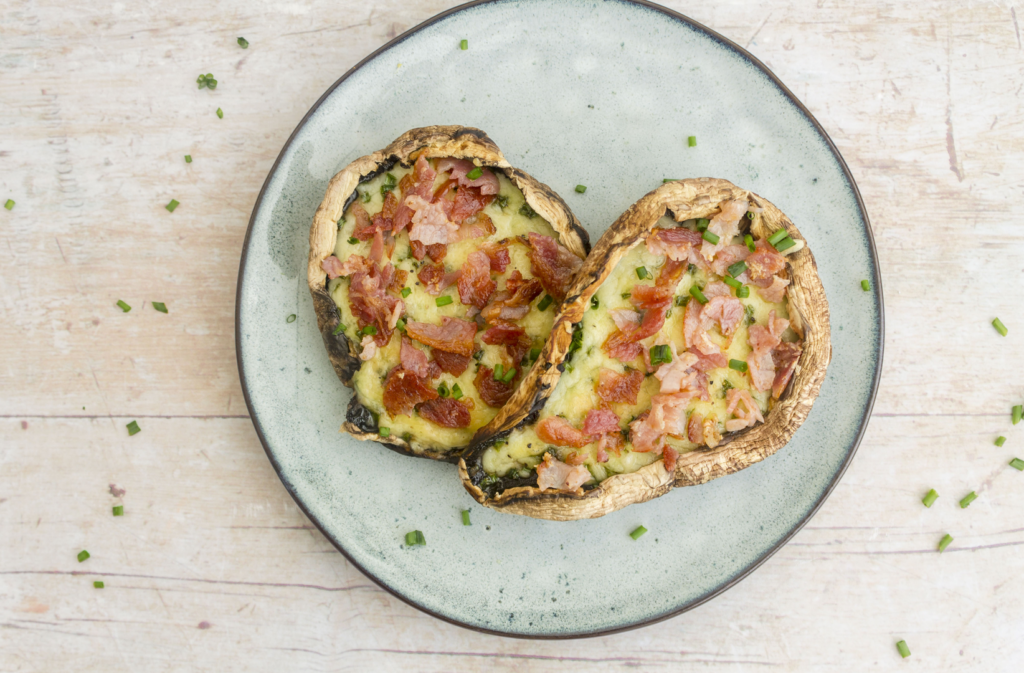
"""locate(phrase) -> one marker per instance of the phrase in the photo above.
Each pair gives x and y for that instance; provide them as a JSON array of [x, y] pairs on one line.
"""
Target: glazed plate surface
[[599, 93]]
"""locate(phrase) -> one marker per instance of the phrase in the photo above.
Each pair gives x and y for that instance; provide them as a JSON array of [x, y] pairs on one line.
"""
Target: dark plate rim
[[876, 285]]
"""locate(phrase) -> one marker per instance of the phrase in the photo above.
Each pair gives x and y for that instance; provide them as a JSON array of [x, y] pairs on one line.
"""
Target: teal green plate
[[599, 93]]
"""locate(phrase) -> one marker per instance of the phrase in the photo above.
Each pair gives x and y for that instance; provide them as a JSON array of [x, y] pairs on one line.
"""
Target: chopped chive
[[627, 295], [1016, 414], [339, 329], [702, 223], [738, 365], [10, 204], [384, 432], [640, 530], [1000, 440], [420, 540], [509, 375], [499, 371], [581, 189], [369, 330], [1017, 463], [534, 353], [732, 282], [172, 205], [661, 354], [968, 499], [442, 390], [415, 538], [502, 201], [352, 240], [243, 43], [133, 428], [865, 285], [664, 180], [366, 197], [544, 303], [930, 498], [642, 273], [697, 294], [682, 300], [465, 518], [743, 292], [475, 173], [206, 81], [464, 45], [1000, 327], [903, 649], [456, 392], [220, 113], [443, 301], [400, 324], [290, 319], [777, 236], [118, 510], [526, 211], [82, 555], [786, 244], [736, 269], [749, 240], [711, 237], [750, 215], [406, 291], [188, 158], [98, 584], [595, 302], [123, 306], [160, 306], [944, 542], [692, 141]]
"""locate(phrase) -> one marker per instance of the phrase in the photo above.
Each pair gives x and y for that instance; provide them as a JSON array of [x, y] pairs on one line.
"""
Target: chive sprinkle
[[339, 329], [10, 204], [352, 240], [711, 237], [366, 197], [243, 43], [369, 330], [465, 518], [732, 282], [581, 189], [206, 81], [777, 236], [160, 306], [749, 240], [642, 273], [400, 324], [406, 291], [509, 375], [743, 292], [1000, 327], [544, 303], [475, 173], [499, 371], [415, 538], [123, 306], [786, 244], [442, 390], [118, 510], [697, 294], [220, 113], [865, 285], [664, 180], [944, 542], [930, 497], [661, 354], [82, 555], [738, 365], [188, 158], [903, 649], [98, 584], [692, 141], [1016, 413], [534, 353], [1017, 464], [133, 428], [290, 319], [702, 223], [384, 432], [464, 45], [736, 269], [595, 302], [443, 301], [172, 205], [968, 499], [456, 392], [640, 530], [1000, 440]]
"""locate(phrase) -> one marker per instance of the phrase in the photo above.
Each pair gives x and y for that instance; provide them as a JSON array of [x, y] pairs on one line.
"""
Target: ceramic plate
[[603, 94]]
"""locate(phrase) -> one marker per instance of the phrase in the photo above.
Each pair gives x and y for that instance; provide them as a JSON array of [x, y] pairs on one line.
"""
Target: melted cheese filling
[[576, 394], [421, 307]]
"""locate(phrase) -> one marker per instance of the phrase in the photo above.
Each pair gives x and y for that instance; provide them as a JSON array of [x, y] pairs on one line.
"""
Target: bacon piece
[[372, 305], [728, 256], [363, 229], [453, 335], [553, 474], [676, 375], [669, 455], [711, 434], [624, 319], [513, 302], [610, 441], [774, 292], [670, 274], [517, 343], [421, 184], [451, 363], [619, 346], [446, 412], [726, 224], [476, 226], [614, 387], [436, 251], [377, 247], [487, 183], [498, 255], [468, 202], [764, 262], [351, 266], [666, 417], [676, 244], [600, 421], [644, 436], [475, 284], [435, 279], [369, 348], [761, 367], [413, 360], [716, 289], [430, 224], [706, 363], [397, 283], [560, 432], [726, 311], [404, 390], [650, 296], [494, 393], [695, 332], [743, 406], [552, 264], [695, 428], [785, 358], [761, 338]]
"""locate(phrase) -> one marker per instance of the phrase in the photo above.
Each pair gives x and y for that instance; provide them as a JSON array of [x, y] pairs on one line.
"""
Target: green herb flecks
[[206, 81], [123, 306], [243, 43], [638, 532], [172, 205], [133, 428], [930, 497]]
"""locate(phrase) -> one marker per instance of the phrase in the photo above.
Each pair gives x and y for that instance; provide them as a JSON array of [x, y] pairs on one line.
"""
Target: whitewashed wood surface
[[214, 568]]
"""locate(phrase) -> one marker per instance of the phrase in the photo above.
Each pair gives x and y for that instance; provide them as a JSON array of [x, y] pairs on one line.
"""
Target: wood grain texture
[[213, 568]]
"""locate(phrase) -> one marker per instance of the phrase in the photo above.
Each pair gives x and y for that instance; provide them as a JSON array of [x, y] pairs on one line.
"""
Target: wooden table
[[214, 568]]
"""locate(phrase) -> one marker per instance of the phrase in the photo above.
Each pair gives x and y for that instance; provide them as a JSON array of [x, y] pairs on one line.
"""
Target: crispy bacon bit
[[398, 282], [421, 184], [670, 274], [695, 332], [372, 305], [494, 393], [560, 432], [600, 421], [666, 417], [552, 264], [468, 202], [430, 224], [744, 408], [610, 441], [498, 255], [677, 375], [774, 292], [450, 362], [728, 256], [644, 436], [761, 368], [706, 363], [726, 311], [676, 244], [711, 434], [452, 335], [446, 412], [363, 229], [413, 360], [487, 183], [764, 262], [624, 344], [624, 319], [785, 358], [614, 387], [377, 247], [369, 348], [726, 224], [695, 428], [513, 302], [351, 266], [670, 457], [435, 279], [650, 296], [553, 474], [475, 284], [763, 339], [517, 343], [575, 458], [717, 289], [404, 390]]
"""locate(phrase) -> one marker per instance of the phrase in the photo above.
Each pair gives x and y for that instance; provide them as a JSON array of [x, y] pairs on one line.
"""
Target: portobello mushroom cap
[[459, 142], [809, 316]]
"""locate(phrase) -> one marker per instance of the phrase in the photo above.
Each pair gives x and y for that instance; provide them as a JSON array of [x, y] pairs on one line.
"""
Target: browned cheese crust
[[459, 142], [809, 316]]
